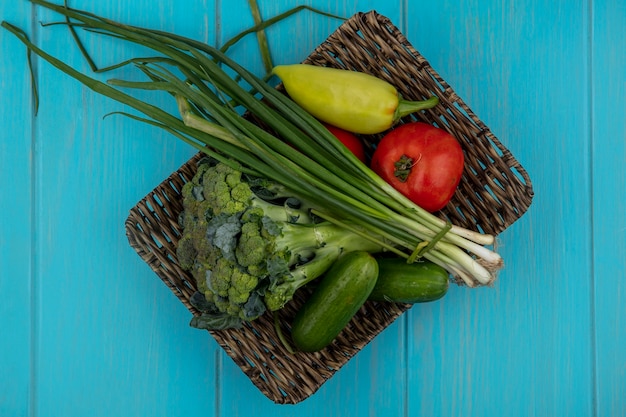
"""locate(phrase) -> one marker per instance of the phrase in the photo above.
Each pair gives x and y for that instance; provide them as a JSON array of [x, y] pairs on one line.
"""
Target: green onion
[[264, 47], [212, 92]]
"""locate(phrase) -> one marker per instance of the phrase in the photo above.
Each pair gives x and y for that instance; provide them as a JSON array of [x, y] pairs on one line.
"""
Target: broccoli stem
[[306, 240], [282, 212], [326, 242]]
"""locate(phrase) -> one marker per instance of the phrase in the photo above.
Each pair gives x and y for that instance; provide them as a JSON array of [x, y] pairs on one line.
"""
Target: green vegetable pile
[[250, 244], [273, 207]]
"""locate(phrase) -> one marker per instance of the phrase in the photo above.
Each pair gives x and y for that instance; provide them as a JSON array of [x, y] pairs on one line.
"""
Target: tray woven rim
[[153, 231]]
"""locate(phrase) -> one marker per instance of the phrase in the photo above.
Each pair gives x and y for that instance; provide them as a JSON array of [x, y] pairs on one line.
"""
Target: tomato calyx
[[403, 167]]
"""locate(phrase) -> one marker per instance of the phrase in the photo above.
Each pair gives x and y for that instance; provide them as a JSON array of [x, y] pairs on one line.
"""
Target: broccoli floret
[[283, 291], [219, 280], [251, 250], [250, 244], [186, 252]]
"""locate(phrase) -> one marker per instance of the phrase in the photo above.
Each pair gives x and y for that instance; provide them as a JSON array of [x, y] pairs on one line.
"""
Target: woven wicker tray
[[494, 192]]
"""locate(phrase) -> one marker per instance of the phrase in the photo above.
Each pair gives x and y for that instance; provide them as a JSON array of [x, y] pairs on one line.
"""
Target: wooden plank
[[111, 338], [609, 204], [16, 202], [373, 382], [525, 345]]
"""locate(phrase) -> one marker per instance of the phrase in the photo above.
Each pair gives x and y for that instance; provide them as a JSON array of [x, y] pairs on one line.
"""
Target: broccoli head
[[250, 244]]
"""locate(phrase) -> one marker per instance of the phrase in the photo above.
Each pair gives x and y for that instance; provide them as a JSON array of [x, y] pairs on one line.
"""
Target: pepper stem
[[406, 107]]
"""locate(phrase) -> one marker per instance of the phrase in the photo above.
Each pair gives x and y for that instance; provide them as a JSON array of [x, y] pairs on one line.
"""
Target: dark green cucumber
[[337, 298], [417, 282]]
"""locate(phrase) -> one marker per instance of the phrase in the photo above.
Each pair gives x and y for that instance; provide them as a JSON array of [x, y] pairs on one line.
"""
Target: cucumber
[[339, 295], [417, 282]]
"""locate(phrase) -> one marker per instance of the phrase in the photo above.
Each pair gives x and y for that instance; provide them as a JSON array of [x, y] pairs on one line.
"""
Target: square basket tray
[[494, 192]]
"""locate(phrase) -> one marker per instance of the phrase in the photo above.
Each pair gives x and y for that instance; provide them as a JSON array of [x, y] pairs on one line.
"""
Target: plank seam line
[[407, 324], [218, 23], [218, 369], [592, 295], [407, 328], [33, 269], [218, 383], [404, 19]]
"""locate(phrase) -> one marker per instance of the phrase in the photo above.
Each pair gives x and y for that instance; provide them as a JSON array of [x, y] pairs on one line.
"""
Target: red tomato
[[349, 140], [421, 161]]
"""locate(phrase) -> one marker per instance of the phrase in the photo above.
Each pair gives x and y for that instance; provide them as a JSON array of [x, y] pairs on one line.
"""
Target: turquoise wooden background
[[89, 330]]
